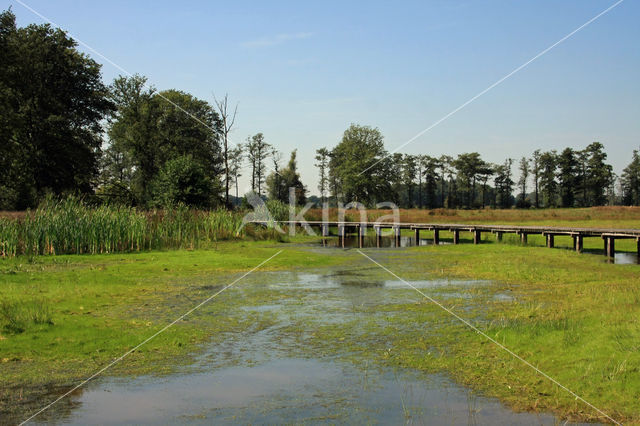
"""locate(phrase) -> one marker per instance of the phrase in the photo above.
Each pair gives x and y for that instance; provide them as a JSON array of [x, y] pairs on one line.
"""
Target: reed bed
[[69, 226]]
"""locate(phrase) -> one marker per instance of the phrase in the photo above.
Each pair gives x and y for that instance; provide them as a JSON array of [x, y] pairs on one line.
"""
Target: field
[[572, 315]]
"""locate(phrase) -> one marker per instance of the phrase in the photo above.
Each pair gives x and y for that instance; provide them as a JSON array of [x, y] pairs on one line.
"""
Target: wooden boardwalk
[[608, 235]]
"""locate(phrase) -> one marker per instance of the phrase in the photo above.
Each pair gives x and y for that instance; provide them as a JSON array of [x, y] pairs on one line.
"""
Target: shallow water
[[291, 390], [271, 376], [626, 259]]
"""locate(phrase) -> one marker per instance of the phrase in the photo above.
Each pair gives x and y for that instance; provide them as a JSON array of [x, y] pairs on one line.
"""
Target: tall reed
[[68, 226]]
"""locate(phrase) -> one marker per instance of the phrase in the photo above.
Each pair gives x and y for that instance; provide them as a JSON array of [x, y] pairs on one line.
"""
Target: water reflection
[[626, 259], [294, 390], [351, 241]]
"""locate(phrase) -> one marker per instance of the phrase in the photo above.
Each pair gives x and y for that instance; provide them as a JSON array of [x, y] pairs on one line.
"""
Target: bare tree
[[228, 120]]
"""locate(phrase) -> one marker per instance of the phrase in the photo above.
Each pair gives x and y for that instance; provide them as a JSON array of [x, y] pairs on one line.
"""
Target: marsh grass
[[17, 316], [69, 226]]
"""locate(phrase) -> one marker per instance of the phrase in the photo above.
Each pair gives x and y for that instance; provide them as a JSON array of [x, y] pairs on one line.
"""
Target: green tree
[[257, 151], [276, 186], [522, 182], [429, 172], [154, 127], [279, 184], [322, 163], [445, 165], [504, 184], [361, 147], [236, 158], [184, 180], [600, 174], [630, 181], [52, 105], [409, 172], [567, 176], [548, 185], [469, 166], [536, 169]]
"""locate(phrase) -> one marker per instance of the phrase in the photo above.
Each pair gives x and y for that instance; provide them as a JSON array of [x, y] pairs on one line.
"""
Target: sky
[[302, 72]]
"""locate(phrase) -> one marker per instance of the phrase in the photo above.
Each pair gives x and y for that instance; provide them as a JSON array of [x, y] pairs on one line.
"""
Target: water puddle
[[351, 241], [626, 259], [294, 390], [272, 375]]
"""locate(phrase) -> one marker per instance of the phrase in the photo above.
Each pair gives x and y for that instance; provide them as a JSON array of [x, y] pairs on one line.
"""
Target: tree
[[156, 127], [227, 119], [409, 170], [276, 187], [548, 184], [322, 163], [484, 173], [291, 178], [360, 147], [469, 166], [52, 106], [535, 172], [630, 181], [567, 176], [431, 166], [183, 180], [600, 174], [504, 184], [395, 178], [236, 158], [445, 164], [279, 184], [257, 151], [522, 182]]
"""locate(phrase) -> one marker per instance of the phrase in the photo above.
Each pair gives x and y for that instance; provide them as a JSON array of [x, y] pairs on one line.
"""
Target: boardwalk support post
[[396, 236], [577, 243], [325, 230], [362, 229], [523, 238], [341, 233], [499, 236], [378, 236], [456, 237], [550, 240], [609, 245], [477, 236], [436, 237], [417, 236]]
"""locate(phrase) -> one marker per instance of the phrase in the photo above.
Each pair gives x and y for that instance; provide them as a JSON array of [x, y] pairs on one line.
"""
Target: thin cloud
[[275, 40]]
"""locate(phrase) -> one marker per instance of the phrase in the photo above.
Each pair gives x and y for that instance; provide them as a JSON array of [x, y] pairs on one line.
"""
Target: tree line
[[63, 131], [360, 169]]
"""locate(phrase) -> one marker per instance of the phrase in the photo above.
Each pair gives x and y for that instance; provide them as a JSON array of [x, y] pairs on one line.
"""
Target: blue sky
[[302, 72]]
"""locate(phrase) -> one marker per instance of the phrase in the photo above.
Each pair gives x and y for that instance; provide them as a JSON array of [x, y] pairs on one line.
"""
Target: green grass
[[69, 226], [64, 317], [573, 315]]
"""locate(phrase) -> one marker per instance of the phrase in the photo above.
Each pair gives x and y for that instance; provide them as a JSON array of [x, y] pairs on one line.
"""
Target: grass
[[573, 316], [68, 226], [63, 317]]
